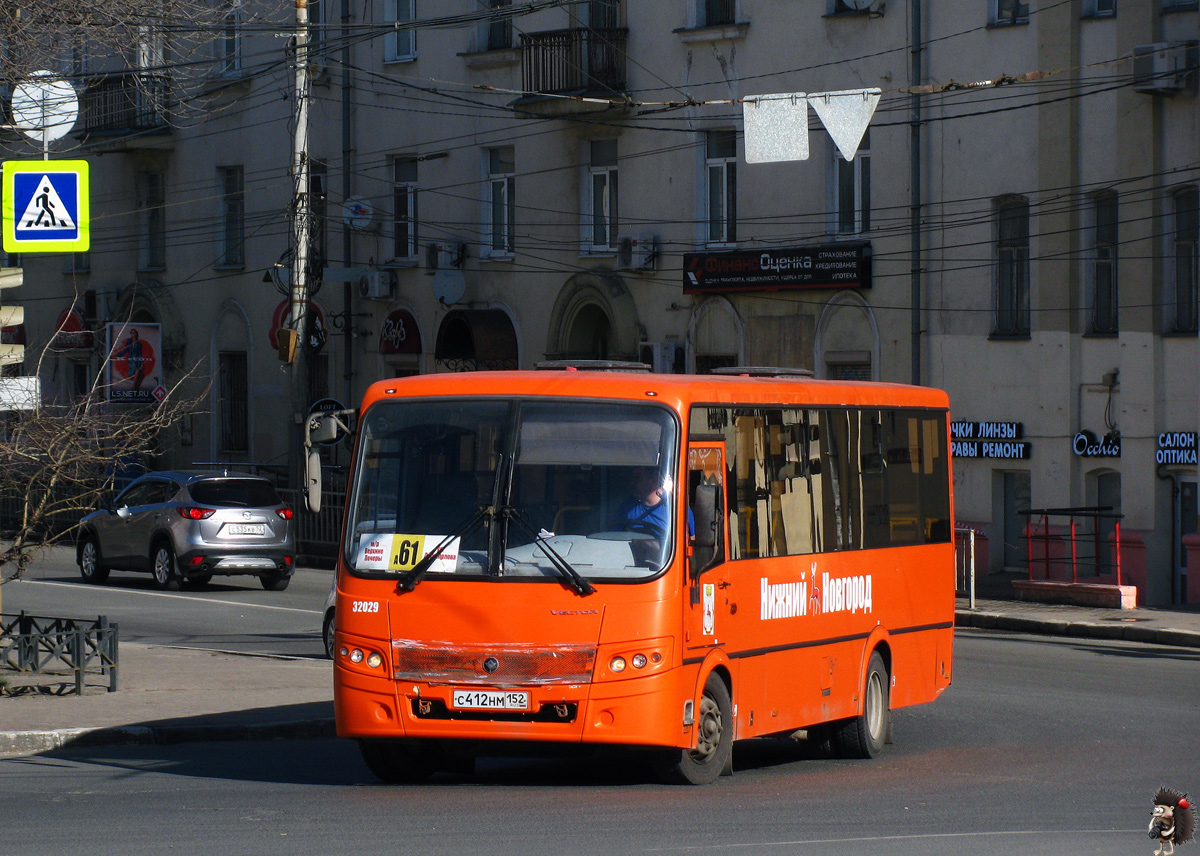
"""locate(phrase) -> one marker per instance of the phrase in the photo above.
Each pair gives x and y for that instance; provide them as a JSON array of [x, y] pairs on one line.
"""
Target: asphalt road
[[1048, 746], [228, 614]]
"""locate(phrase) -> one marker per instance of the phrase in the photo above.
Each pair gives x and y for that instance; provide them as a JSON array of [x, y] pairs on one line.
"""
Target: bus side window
[[705, 493]]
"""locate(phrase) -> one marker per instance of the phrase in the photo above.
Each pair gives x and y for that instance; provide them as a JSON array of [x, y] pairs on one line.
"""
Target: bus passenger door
[[706, 547]]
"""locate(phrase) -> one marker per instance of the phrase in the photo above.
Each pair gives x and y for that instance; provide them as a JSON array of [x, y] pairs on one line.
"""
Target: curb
[[19, 743], [1078, 629]]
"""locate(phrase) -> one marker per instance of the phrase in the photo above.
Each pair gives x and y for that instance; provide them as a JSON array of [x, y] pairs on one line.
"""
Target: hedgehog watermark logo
[[1172, 822]]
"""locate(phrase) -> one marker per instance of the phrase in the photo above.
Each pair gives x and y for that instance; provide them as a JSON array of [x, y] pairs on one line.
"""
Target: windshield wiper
[[581, 586], [408, 581]]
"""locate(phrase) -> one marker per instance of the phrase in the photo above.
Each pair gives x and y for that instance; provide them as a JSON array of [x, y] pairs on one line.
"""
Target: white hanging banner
[[845, 116], [776, 127]]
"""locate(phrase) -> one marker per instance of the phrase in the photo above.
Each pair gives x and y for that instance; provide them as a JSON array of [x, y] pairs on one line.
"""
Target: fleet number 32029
[[364, 606]]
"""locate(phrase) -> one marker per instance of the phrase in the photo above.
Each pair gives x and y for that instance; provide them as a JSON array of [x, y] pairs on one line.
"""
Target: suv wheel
[[274, 582], [91, 566], [166, 576]]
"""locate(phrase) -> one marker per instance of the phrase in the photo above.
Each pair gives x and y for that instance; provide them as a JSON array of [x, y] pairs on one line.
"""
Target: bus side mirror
[[312, 481], [320, 428], [706, 509]]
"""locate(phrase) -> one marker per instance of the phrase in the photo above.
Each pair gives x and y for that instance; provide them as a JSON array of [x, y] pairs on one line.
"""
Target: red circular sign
[[316, 323], [134, 358], [69, 331]]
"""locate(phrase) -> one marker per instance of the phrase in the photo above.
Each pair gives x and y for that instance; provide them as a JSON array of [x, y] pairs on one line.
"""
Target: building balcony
[[579, 62], [127, 110]]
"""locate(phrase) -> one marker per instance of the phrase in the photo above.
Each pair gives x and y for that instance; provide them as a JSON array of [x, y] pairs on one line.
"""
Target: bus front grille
[[492, 665]]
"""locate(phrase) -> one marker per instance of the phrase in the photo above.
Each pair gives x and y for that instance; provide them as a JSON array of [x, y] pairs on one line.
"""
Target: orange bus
[[617, 558]]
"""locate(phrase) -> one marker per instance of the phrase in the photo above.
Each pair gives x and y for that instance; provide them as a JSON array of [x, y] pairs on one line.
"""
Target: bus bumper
[[644, 711]]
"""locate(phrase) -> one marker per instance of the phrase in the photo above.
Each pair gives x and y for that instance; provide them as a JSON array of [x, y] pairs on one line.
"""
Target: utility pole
[[301, 235]]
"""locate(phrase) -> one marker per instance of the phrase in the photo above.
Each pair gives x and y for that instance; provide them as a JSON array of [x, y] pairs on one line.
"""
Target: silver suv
[[189, 526]]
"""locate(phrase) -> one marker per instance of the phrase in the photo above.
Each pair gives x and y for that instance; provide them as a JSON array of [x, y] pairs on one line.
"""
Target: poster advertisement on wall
[[134, 363]]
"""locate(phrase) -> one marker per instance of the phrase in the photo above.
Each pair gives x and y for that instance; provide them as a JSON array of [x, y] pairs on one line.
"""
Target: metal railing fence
[[35, 644]]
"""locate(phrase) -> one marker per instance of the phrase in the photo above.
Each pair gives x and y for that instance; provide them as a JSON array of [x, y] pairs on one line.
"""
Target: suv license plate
[[246, 529], [490, 700]]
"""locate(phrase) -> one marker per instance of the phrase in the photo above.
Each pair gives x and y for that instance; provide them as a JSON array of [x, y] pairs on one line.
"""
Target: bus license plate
[[490, 700]]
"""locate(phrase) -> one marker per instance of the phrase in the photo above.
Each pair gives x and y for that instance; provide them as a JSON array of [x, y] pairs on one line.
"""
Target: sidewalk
[[172, 695]]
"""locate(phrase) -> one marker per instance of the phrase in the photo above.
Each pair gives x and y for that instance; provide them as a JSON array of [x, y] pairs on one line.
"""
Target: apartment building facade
[[500, 183]]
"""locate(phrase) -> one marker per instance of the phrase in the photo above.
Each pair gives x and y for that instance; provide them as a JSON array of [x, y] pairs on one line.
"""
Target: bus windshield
[[510, 487]]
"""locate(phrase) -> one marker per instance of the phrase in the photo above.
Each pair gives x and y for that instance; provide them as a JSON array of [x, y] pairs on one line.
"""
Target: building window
[[501, 200], [318, 378], [1099, 8], [500, 29], [400, 45], [713, 13], [232, 392], [233, 218], [720, 163], [316, 27], [1006, 13], [1012, 268], [152, 221], [229, 43], [1175, 5], [603, 14], [1104, 263], [318, 197], [602, 191], [404, 207], [1186, 211], [852, 189]]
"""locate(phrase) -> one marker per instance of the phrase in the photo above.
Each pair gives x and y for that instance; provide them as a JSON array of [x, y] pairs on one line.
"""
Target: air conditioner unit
[[637, 252], [442, 255], [660, 356], [1164, 68], [376, 284]]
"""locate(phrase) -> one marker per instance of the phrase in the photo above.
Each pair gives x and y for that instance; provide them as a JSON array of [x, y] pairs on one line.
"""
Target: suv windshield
[[239, 493], [590, 480]]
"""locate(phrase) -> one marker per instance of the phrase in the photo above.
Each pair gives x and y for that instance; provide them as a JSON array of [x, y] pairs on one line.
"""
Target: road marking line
[[738, 845], [188, 598]]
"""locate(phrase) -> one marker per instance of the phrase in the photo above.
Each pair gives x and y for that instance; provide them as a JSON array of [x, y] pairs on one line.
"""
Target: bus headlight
[[636, 659]]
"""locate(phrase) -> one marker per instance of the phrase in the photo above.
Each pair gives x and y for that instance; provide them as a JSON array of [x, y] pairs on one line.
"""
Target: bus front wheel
[[714, 741], [863, 736], [407, 762]]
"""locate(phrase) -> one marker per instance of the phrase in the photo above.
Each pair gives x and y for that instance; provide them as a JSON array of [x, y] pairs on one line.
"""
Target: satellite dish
[[357, 213], [45, 107]]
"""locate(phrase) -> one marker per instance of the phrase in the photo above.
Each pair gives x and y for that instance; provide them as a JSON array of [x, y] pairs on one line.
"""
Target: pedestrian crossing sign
[[45, 207]]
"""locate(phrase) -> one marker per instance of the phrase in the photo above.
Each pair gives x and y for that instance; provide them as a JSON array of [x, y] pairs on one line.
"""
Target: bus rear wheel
[[863, 736], [714, 741]]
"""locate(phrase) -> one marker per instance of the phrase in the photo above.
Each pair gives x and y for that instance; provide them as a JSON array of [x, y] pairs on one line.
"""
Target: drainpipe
[[915, 189]]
